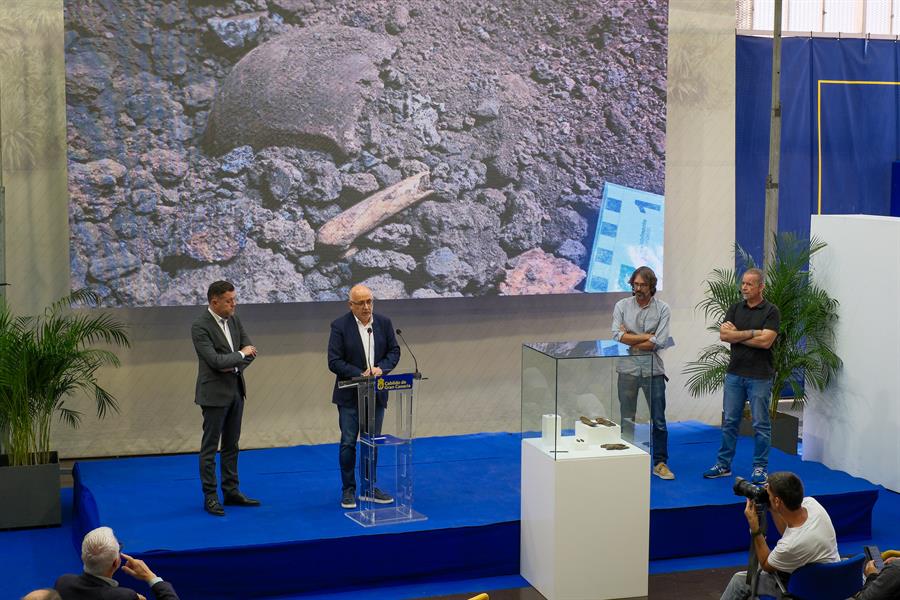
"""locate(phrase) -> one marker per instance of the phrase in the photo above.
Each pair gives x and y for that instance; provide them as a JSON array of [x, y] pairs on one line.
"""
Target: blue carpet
[[692, 516], [300, 540], [885, 534], [468, 486], [34, 558], [300, 490]]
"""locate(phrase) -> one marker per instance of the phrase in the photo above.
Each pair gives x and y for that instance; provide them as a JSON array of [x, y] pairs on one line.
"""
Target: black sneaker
[[378, 497], [348, 499]]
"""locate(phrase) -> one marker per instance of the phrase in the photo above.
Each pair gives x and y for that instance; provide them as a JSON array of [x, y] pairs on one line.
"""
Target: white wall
[[852, 426]]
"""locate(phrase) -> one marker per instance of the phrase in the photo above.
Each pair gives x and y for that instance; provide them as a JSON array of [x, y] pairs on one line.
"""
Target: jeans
[[348, 419], [655, 393], [758, 392], [738, 589]]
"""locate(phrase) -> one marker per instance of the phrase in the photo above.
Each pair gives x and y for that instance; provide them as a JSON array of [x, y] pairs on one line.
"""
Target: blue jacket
[[347, 356]]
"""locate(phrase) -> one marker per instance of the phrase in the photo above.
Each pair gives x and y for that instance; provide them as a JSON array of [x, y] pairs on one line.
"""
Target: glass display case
[[588, 398]]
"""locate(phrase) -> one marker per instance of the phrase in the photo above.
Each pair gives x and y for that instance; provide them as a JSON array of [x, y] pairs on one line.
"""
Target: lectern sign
[[392, 383]]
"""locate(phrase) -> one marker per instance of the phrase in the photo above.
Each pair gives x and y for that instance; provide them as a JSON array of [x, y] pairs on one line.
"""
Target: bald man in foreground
[[44, 594], [361, 343]]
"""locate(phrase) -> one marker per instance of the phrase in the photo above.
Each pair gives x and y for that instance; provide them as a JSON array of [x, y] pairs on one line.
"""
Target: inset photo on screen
[[425, 148]]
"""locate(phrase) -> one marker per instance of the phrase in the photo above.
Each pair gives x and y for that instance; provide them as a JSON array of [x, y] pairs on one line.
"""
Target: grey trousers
[[221, 423]]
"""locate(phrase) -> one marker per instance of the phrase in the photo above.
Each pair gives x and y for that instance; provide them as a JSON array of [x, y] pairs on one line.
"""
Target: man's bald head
[[42, 595], [361, 303], [359, 290]]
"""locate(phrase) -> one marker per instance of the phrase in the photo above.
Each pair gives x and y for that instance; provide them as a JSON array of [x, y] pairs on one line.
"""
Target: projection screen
[[427, 148]]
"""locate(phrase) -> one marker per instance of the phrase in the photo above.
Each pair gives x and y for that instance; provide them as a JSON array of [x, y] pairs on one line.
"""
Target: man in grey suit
[[224, 351]]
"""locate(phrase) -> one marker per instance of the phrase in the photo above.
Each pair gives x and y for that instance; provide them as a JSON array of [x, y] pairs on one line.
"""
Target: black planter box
[[29, 496], [785, 431]]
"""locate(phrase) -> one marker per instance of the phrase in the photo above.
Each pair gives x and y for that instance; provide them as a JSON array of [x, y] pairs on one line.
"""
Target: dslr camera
[[757, 494]]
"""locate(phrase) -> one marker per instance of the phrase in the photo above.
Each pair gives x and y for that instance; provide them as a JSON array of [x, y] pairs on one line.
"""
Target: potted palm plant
[[803, 353], [46, 360]]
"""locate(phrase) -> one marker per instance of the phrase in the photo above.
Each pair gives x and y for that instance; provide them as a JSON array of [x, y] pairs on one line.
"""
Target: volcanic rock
[[305, 88], [536, 272]]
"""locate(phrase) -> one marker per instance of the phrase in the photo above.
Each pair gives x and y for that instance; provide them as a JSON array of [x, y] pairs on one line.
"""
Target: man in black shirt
[[751, 327]]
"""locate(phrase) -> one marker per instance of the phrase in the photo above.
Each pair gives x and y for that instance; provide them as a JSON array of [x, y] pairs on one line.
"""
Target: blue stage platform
[[300, 542]]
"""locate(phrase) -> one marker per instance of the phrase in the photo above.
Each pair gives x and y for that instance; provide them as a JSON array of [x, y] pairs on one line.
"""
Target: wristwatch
[[753, 534]]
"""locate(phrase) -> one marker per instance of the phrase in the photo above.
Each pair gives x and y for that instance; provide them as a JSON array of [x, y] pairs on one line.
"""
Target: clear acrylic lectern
[[384, 454]]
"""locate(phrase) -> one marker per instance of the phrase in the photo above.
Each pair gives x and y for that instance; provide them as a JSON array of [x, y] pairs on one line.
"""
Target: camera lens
[[744, 488]]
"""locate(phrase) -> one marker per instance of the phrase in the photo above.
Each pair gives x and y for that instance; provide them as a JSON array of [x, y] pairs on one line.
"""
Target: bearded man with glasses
[[642, 323]]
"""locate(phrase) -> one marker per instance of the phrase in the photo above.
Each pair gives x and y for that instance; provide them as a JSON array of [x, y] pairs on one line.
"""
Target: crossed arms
[[755, 338]]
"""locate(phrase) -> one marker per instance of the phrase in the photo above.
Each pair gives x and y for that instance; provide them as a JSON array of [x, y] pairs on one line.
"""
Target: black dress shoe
[[238, 499], [212, 506]]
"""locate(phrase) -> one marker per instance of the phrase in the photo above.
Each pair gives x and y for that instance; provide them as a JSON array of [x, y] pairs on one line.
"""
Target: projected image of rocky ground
[[295, 147]]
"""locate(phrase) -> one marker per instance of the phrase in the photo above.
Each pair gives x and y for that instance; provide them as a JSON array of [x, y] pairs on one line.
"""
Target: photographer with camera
[[882, 582], [807, 535]]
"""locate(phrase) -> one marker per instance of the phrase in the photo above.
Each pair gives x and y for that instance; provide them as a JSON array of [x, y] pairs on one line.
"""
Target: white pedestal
[[585, 522], [852, 426]]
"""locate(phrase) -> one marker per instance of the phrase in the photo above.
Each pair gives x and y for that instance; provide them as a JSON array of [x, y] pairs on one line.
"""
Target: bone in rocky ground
[[368, 214]]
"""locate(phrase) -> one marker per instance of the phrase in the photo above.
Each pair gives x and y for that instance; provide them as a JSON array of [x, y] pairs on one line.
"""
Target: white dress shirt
[[223, 325], [366, 338]]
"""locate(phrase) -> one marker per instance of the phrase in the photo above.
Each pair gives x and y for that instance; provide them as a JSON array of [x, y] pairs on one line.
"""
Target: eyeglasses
[[640, 285], [368, 302]]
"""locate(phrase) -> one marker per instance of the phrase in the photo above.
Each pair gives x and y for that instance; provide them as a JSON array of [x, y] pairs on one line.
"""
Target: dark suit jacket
[[347, 356], [215, 372], [88, 587]]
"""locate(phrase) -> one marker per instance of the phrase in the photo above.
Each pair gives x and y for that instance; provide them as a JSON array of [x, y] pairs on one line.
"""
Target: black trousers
[[221, 424]]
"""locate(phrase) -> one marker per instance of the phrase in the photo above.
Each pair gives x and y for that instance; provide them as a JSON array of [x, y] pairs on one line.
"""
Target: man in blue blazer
[[361, 344]]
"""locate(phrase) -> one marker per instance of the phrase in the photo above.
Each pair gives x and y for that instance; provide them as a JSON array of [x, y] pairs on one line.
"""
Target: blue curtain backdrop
[[842, 90]]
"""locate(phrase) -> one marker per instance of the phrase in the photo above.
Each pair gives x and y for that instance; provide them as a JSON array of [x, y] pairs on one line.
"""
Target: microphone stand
[[370, 352], [417, 374], [367, 474]]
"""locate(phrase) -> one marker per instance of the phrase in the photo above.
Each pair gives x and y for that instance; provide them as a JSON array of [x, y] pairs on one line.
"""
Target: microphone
[[417, 374], [371, 351]]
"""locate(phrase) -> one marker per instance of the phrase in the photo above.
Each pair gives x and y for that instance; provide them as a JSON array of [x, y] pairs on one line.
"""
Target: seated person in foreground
[[42, 595], [101, 555], [807, 536], [881, 585]]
